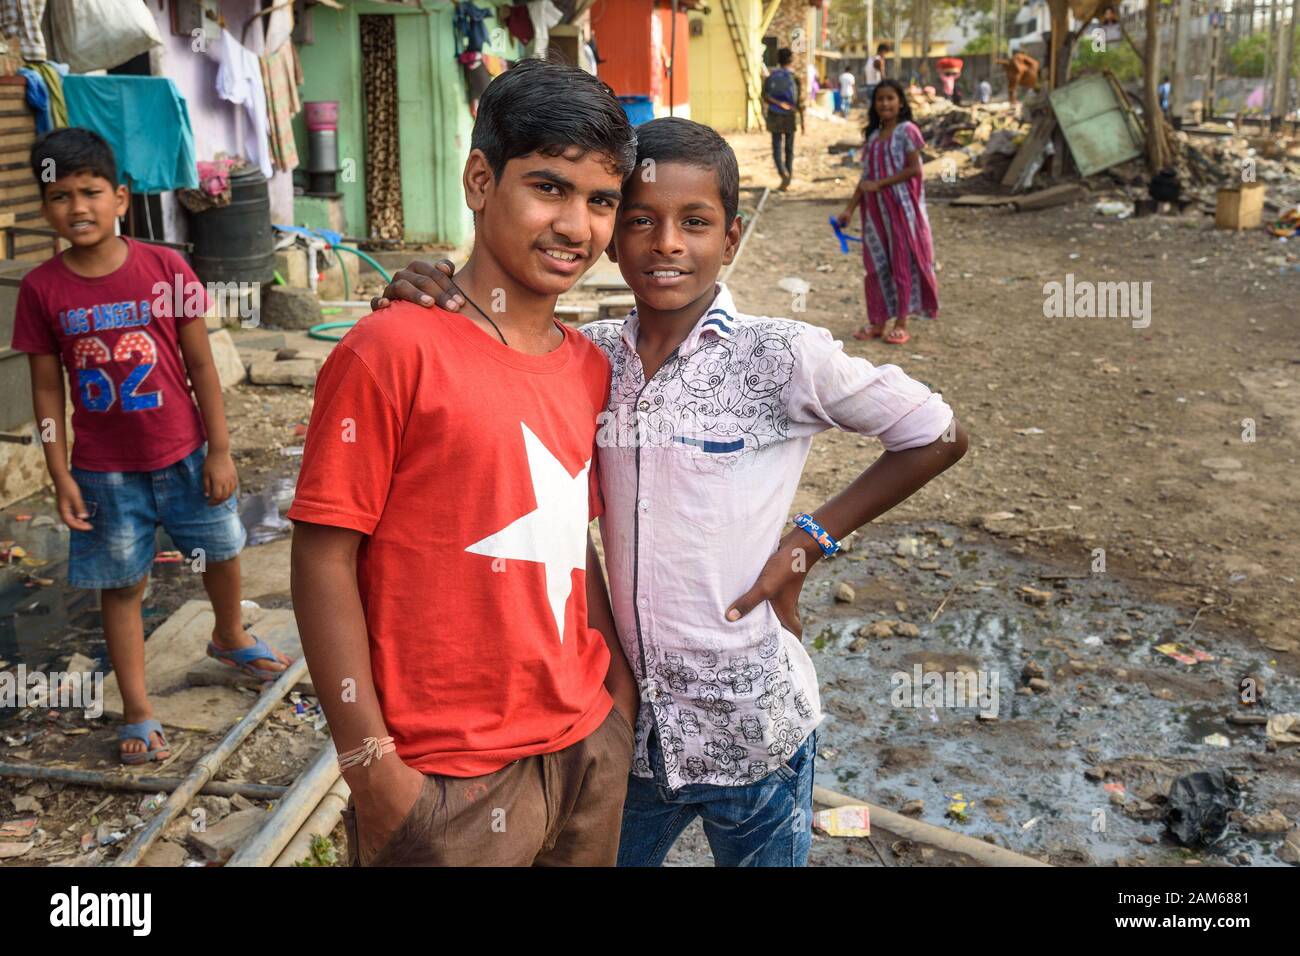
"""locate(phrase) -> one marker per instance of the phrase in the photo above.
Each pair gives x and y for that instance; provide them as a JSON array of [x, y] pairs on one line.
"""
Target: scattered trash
[[1030, 823], [794, 285], [10, 552], [1199, 804], [958, 807], [850, 821], [152, 802], [260, 513], [292, 451], [11, 851], [1216, 740], [1113, 787], [1284, 728], [1183, 654], [1030, 431], [1119, 208], [19, 829], [168, 557]]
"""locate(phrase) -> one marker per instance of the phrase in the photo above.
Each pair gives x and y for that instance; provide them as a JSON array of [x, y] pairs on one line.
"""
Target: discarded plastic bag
[[260, 514], [1199, 804]]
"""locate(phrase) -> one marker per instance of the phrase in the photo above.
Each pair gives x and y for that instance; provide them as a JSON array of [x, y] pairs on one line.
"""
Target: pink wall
[[218, 126]]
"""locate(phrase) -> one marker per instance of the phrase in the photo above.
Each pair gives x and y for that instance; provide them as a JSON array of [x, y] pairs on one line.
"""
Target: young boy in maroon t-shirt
[[144, 454]]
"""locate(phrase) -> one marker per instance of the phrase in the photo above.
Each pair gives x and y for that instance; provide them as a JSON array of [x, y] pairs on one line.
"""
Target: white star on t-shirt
[[553, 535]]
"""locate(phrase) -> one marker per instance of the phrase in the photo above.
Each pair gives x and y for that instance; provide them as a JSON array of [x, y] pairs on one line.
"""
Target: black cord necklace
[[486, 316]]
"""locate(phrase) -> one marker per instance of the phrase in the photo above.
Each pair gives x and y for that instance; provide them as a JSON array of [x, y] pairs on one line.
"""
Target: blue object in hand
[[844, 237]]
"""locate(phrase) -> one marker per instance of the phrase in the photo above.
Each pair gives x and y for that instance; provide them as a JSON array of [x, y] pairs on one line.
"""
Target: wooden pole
[[113, 781], [322, 821], [1177, 81], [297, 805], [207, 766], [986, 854]]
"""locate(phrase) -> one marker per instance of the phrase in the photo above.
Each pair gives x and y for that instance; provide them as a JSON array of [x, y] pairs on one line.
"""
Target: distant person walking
[[896, 247], [848, 84], [985, 91], [783, 95], [875, 71]]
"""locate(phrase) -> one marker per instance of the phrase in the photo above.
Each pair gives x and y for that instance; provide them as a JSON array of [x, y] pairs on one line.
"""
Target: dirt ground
[[1133, 428], [1087, 434]]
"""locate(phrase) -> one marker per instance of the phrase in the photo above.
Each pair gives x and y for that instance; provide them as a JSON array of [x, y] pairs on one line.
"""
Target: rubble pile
[[1228, 158]]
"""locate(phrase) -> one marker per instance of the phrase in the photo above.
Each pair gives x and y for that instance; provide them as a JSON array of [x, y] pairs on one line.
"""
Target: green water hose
[[322, 330]]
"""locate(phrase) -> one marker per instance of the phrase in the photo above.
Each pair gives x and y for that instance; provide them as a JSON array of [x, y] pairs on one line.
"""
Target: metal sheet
[[1097, 126]]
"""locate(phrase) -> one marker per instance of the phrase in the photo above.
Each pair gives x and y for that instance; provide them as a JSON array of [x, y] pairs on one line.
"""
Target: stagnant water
[[1141, 714]]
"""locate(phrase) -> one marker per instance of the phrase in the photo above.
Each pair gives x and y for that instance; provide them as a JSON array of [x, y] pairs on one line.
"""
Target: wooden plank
[[1052, 196], [1030, 155], [983, 201]]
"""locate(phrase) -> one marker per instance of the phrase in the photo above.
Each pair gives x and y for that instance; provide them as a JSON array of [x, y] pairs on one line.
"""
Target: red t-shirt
[[471, 468], [118, 338]]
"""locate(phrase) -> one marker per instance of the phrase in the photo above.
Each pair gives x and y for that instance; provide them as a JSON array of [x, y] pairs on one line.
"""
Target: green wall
[[433, 113]]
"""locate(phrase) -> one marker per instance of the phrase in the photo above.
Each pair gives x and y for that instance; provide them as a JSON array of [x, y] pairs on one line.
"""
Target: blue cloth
[[1163, 90], [145, 120], [768, 823], [468, 23], [126, 508], [38, 98]]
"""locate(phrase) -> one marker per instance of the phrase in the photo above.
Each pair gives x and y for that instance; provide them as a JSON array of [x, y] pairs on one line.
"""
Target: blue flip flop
[[144, 730], [243, 658]]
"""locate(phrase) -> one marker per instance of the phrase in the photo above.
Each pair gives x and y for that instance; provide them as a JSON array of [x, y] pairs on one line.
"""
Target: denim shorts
[[764, 824], [125, 509]]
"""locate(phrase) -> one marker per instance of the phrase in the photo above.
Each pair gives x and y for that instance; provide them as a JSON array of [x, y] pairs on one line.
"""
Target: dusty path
[[1141, 448]]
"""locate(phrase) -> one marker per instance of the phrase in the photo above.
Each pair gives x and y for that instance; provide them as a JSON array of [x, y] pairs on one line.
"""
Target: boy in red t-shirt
[[104, 309], [442, 573]]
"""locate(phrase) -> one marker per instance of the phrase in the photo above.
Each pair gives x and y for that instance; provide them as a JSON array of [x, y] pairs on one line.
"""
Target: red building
[[645, 50]]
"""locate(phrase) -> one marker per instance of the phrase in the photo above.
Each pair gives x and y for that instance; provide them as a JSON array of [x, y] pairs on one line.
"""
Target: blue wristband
[[819, 534]]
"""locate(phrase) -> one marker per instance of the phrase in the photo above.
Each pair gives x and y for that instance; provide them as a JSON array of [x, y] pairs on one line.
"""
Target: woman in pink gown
[[896, 248]]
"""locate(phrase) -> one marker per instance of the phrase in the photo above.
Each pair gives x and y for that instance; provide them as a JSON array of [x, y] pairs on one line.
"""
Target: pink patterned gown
[[896, 247]]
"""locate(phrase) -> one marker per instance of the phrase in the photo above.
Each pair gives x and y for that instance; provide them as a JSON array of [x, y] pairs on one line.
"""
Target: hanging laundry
[[22, 19], [545, 15], [496, 65], [281, 76], [469, 26], [239, 81], [38, 98], [520, 24], [53, 74], [145, 120]]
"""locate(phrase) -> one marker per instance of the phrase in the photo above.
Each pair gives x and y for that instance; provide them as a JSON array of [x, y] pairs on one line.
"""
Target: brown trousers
[[559, 809]]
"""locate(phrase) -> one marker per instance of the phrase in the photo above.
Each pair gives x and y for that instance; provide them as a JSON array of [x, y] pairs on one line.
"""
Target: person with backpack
[[783, 96]]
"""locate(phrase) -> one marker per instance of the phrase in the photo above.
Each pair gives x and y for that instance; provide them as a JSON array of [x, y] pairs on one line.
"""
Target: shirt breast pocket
[[710, 481]]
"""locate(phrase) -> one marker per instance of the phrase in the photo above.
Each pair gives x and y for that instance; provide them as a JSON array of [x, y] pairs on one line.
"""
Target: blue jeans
[[125, 510], [768, 823]]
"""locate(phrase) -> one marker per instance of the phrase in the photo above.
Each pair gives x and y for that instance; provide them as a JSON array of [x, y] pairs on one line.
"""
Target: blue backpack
[[780, 85]]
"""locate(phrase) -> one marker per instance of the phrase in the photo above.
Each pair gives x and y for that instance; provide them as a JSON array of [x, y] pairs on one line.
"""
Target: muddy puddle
[[43, 621], [1076, 770]]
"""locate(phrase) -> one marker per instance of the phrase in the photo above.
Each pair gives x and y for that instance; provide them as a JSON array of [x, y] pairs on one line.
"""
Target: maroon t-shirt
[[118, 338]]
